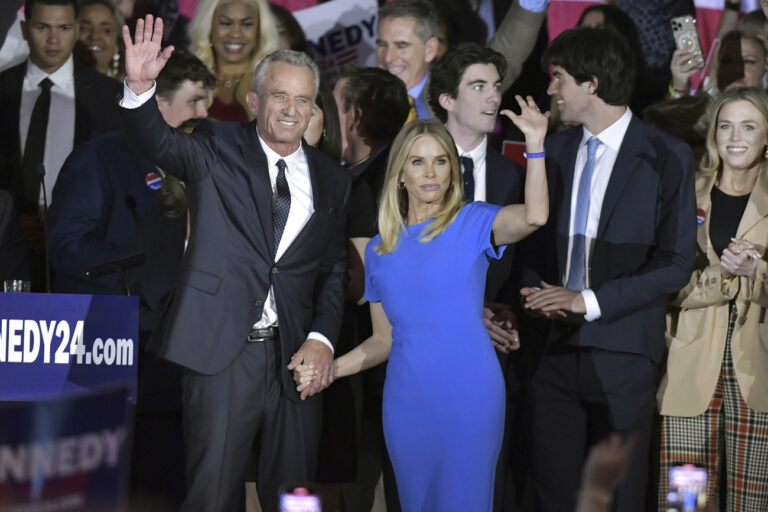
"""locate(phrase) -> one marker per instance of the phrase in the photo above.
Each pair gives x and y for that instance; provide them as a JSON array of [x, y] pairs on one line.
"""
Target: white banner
[[341, 32]]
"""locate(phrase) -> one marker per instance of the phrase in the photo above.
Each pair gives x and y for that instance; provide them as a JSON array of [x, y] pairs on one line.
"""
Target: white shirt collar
[[60, 78], [478, 154], [614, 134], [273, 156]]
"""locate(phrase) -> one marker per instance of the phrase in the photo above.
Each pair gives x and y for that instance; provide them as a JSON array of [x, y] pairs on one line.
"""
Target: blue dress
[[443, 410]]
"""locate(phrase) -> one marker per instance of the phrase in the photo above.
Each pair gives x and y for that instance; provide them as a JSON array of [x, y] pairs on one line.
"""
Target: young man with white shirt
[[465, 94], [48, 105], [620, 240]]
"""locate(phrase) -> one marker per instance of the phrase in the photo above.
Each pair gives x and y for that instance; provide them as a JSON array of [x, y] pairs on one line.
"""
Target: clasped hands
[[552, 302], [740, 259], [312, 367]]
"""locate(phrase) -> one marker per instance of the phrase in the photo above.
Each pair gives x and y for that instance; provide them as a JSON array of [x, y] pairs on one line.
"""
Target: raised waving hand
[[144, 57]]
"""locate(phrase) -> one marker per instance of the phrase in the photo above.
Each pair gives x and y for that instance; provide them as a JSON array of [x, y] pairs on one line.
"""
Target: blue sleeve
[[371, 292], [478, 220]]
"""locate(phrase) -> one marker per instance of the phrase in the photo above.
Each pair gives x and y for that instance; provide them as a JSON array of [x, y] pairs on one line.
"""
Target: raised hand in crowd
[[684, 65], [144, 57]]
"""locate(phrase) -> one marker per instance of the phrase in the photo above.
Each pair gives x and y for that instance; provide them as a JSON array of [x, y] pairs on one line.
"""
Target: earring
[[114, 65], [401, 185], [765, 153]]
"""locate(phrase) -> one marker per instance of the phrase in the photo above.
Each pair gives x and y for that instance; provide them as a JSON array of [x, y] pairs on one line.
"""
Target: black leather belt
[[263, 334]]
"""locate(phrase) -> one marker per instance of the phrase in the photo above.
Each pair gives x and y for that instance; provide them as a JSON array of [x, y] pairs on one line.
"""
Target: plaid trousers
[[729, 433]]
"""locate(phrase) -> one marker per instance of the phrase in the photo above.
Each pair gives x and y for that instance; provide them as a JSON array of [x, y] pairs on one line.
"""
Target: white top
[[605, 157], [60, 135], [478, 159], [302, 208]]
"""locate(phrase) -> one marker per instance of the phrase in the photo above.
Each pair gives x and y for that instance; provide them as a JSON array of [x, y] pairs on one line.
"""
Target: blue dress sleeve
[[478, 220], [371, 293]]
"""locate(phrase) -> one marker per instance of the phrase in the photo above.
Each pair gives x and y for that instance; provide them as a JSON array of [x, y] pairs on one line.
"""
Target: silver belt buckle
[[259, 335]]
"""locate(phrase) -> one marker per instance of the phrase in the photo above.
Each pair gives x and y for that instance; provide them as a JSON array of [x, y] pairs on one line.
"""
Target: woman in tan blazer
[[714, 396]]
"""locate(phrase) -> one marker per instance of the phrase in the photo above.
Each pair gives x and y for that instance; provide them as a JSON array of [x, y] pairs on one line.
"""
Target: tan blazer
[[697, 320]]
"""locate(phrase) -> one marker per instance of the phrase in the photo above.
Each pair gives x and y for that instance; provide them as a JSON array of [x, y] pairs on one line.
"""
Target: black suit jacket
[[645, 245], [14, 257], [100, 196], [504, 182], [229, 264], [96, 113]]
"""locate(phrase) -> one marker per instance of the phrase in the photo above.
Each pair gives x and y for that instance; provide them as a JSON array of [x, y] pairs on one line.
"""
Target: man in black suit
[[465, 93], [264, 276], [14, 260], [620, 239], [80, 105]]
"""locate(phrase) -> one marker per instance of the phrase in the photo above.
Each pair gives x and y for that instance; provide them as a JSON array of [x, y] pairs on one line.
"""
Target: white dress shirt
[[605, 157], [60, 135], [302, 207], [478, 159]]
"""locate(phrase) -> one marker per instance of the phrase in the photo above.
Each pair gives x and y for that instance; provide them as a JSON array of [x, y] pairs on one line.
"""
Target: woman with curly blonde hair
[[231, 37]]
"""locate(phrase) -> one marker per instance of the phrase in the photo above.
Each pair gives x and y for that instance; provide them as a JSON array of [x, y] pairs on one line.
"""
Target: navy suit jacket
[[229, 265], [99, 197], [504, 185], [96, 113], [645, 246], [14, 256]]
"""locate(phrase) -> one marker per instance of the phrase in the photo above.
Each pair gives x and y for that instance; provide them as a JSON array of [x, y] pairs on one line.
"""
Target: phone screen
[[687, 488], [299, 499]]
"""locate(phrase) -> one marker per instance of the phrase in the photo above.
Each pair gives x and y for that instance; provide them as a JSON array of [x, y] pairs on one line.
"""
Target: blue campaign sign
[[53, 343], [68, 454]]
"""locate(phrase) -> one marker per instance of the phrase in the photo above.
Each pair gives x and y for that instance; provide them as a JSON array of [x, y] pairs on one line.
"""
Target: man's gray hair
[[422, 11], [294, 58]]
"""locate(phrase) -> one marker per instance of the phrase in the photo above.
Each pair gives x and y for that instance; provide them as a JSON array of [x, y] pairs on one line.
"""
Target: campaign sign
[[52, 344], [69, 454], [339, 33]]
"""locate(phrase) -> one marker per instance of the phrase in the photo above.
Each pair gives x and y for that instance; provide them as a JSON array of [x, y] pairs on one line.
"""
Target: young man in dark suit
[[465, 93], [48, 105], [263, 279], [621, 238]]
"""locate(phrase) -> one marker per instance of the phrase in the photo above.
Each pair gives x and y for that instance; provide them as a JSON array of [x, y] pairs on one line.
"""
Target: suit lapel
[[567, 162], [318, 188], [625, 164], [756, 210], [261, 187], [493, 184], [704, 209]]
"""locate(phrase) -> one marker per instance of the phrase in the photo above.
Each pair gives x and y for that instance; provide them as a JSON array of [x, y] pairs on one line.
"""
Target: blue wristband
[[534, 155]]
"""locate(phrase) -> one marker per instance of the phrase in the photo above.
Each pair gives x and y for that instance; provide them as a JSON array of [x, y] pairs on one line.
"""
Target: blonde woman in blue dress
[[443, 407]]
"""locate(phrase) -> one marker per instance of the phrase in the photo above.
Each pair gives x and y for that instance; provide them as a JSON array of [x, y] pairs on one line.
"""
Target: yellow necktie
[[412, 113]]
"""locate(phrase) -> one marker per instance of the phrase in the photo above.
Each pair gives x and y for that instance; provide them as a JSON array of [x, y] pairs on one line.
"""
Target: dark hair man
[[373, 105], [48, 105], [621, 238], [465, 93], [263, 279]]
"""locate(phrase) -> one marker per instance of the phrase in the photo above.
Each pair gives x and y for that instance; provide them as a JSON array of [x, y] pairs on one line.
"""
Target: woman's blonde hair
[[200, 41], [393, 208], [711, 161]]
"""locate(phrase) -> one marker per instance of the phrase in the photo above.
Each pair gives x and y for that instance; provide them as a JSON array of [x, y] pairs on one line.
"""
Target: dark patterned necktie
[[281, 205], [34, 148], [469, 178]]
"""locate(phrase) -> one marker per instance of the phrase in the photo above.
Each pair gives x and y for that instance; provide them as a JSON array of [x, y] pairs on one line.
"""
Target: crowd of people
[[347, 279]]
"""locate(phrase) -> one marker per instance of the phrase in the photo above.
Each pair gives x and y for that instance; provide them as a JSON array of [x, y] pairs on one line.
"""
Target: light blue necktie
[[577, 270]]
